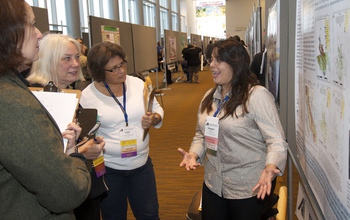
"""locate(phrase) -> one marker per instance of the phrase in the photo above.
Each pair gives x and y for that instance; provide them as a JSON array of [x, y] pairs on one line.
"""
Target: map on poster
[[323, 102]]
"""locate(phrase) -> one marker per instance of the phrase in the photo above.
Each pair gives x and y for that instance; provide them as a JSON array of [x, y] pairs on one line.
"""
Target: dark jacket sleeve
[[32, 157]]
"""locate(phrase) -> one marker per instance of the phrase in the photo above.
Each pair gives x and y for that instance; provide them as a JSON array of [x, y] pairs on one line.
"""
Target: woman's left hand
[[265, 182]]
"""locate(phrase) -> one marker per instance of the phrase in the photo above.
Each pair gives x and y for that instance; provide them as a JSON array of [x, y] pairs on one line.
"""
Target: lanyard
[[220, 104], [117, 101]]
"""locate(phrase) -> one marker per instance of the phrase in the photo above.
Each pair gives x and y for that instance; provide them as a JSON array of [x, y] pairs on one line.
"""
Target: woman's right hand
[[92, 149], [189, 160]]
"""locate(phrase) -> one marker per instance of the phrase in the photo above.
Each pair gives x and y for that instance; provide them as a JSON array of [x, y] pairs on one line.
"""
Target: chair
[[282, 204], [159, 94], [195, 209]]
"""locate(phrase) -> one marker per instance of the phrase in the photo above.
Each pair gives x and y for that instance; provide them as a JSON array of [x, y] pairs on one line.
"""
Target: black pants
[[88, 210], [216, 207]]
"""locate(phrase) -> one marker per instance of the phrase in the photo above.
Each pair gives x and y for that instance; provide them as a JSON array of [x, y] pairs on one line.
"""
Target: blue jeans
[[138, 186]]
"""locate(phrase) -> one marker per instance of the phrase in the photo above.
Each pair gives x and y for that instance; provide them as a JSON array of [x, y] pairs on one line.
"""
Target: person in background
[[184, 64], [239, 136], [119, 99], [84, 48], [58, 62], [192, 55], [258, 66], [37, 179], [238, 39], [160, 56], [83, 60]]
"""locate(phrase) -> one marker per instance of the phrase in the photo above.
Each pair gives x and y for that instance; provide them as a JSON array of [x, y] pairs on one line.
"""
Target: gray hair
[[52, 49]]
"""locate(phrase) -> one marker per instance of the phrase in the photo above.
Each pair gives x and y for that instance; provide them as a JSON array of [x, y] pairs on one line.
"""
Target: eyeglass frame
[[118, 67]]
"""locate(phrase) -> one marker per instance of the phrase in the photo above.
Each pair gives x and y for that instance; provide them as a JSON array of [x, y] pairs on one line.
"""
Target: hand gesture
[[264, 184], [189, 160]]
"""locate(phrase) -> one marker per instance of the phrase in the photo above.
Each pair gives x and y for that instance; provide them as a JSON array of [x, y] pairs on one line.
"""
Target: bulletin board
[[171, 45], [145, 47], [42, 19], [182, 43], [125, 31], [197, 40]]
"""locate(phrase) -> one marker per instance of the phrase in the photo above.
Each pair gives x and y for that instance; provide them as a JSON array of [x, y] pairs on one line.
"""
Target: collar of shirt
[[217, 94]]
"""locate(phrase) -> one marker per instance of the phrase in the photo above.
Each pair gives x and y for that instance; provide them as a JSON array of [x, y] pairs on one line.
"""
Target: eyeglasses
[[118, 67]]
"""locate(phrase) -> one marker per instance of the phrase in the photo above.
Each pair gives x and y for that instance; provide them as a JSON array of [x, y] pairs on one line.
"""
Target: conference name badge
[[128, 142], [211, 135]]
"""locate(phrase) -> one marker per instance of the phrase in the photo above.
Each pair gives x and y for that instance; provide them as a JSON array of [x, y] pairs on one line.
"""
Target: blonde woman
[[58, 62]]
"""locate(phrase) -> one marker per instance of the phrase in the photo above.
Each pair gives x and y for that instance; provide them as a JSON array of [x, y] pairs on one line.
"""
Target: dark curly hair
[[236, 56]]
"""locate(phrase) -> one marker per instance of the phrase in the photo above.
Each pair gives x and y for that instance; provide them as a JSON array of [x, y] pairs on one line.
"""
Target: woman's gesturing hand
[[189, 160], [265, 182]]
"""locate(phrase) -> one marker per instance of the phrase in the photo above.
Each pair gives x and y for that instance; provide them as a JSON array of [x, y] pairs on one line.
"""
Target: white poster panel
[[303, 211], [172, 49], [273, 50], [322, 101]]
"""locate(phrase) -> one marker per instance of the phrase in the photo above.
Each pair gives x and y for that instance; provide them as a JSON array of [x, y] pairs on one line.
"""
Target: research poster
[[322, 101], [110, 34], [273, 50], [172, 49]]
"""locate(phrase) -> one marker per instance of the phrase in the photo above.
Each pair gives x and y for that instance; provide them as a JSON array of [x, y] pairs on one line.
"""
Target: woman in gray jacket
[[37, 179]]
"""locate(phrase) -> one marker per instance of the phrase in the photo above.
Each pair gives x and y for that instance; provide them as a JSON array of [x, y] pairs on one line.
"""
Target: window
[[163, 20], [84, 16], [57, 16], [127, 11], [183, 24], [38, 3], [174, 21], [174, 6], [149, 14], [163, 3]]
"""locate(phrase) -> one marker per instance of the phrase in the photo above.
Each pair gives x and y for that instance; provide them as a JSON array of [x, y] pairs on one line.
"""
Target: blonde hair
[[52, 49]]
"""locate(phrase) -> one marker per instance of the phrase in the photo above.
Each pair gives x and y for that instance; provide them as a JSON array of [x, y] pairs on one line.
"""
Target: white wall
[[188, 9], [238, 14]]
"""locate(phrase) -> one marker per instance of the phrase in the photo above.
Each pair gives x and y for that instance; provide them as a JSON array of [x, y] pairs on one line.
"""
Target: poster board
[[145, 47], [41, 19], [206, 40], [322, 102], [172, 49], [314, 104], [125, 33], [197, 40]]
